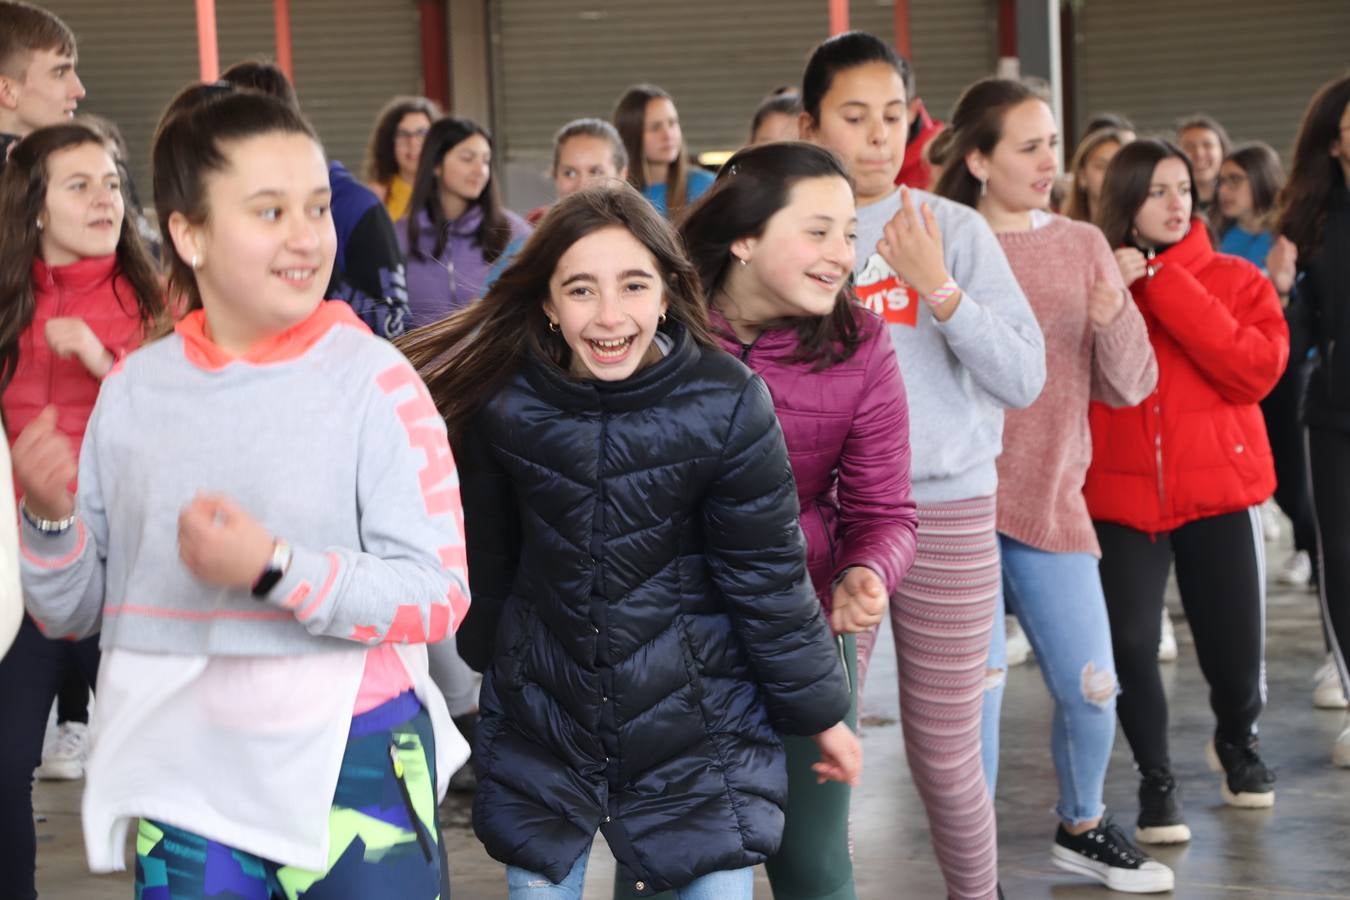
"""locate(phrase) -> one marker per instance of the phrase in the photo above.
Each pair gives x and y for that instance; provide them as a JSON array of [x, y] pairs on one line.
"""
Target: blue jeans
[[1057, 598], [521, 884]]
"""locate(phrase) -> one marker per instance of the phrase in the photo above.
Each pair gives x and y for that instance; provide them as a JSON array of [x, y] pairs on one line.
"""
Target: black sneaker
[[1248, 783], [1160, 820], [1106, 854]]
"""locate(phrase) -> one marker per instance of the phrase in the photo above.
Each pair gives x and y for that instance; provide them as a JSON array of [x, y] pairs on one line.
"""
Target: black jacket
[[1319, 317], [643, 615]]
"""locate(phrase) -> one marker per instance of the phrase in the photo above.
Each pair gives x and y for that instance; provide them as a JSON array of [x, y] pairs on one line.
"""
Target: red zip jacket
[[1197, 446], [847, 433], [81, 290], [915, 171]]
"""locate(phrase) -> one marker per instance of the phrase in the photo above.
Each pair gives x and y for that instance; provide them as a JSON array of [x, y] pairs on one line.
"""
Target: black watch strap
[[275, 571]]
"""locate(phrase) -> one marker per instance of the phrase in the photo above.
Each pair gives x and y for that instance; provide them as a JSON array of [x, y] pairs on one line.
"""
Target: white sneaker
[[1297, 569], [1019, 648], [64, 759], [1328, 693], [1270, 521], [1167, 644], [1340, 751]]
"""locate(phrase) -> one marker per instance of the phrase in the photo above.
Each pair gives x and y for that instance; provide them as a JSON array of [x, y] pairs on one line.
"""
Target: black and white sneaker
[[1106, 854], [1160, 818], [1248, 782]]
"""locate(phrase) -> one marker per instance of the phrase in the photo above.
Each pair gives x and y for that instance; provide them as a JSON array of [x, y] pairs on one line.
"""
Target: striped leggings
[[941, 617]]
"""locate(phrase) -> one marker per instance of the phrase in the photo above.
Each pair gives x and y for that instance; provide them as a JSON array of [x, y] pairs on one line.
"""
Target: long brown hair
[[977, 125], [630, 118], [380, 166], [1315, 177], [1079, 205], [23, 197], [466, 358], [189, 146], [1265, 176], [493, 233], [1126, 185], [752, 186]]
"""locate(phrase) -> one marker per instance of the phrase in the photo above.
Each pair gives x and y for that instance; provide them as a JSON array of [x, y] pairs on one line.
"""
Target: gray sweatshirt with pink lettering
[[326, 435]]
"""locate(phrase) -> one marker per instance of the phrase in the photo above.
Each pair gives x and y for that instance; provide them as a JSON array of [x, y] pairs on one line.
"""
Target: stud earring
[[742, 260], [196, 262], [39, 224], [662, 318]]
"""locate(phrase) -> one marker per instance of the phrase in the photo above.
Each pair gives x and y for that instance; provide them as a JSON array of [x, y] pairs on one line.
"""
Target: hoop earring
[[662, 318], [553, 327]]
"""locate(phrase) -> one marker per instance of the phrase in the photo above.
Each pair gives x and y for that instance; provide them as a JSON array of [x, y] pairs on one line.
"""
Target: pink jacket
[[847, 432]]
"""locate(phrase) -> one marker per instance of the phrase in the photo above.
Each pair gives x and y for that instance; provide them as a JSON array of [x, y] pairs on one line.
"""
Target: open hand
[[840, 756]]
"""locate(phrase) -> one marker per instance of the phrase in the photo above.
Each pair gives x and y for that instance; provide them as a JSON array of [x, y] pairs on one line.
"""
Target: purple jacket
[[438, 287], [847, 432]]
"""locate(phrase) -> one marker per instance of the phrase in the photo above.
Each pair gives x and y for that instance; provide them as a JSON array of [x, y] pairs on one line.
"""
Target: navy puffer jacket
[[643, 615]]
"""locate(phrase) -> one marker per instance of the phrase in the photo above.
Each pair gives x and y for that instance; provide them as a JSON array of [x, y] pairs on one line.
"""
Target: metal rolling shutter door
[[1251, 65], [132, 60], [556, 60]]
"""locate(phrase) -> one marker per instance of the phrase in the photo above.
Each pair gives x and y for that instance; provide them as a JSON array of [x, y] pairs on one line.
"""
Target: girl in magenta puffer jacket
[[773, 244]]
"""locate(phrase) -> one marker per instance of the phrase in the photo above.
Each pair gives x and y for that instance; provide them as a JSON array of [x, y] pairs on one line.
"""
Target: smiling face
[[864, 119], [266, 248], [1205, 152], [1165, 216], [582, 161], [465, 168], [662, 138], [47, 94], [1234, 191], [606, 297], [804, 257], [1020, 171], [82, 215], [409, 135]]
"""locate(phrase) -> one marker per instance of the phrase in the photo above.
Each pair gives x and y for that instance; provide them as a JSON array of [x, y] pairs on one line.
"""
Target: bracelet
[[46, 526], [946, 291], [278, 564]]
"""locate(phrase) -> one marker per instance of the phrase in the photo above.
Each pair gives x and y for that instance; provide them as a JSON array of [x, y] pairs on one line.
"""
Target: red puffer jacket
[[84, 290], [1197, 446], [847, 433]]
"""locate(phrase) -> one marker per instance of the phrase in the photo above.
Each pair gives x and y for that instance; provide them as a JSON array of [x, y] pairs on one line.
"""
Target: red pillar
[[838, 16], [435, 52], [281, 19], [902, 29], [208, 52], [1007, 28]]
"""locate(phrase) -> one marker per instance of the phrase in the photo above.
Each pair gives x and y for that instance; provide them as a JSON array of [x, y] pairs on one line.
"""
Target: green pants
[[813, 862]]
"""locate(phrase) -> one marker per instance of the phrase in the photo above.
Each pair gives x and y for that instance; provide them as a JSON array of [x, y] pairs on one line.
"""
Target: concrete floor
[[1298, 849]]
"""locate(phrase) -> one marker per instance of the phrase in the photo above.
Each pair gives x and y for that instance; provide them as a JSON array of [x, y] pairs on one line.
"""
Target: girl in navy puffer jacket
[[642, 611]]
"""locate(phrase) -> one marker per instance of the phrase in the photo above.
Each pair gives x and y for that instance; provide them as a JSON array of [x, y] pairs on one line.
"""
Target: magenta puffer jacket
[[847, 431]]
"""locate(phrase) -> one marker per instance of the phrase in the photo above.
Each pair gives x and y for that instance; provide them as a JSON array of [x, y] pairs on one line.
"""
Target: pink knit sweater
[[1047, 446]]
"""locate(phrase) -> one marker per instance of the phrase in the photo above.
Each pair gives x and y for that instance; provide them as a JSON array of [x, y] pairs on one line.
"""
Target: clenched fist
[[859, 601], [45, 465], [1105, 301], [70, 336], [1133, 264], [221, 544]]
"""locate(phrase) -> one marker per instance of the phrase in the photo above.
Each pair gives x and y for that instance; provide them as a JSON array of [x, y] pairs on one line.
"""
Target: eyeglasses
[[405, 135], [1232, 180]]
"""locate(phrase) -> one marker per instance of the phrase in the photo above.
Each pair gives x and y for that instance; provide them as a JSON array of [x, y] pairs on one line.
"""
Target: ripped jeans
[[1057, 598]]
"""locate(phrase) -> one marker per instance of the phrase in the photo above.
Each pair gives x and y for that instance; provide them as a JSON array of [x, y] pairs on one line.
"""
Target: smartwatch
[[276, 569]]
